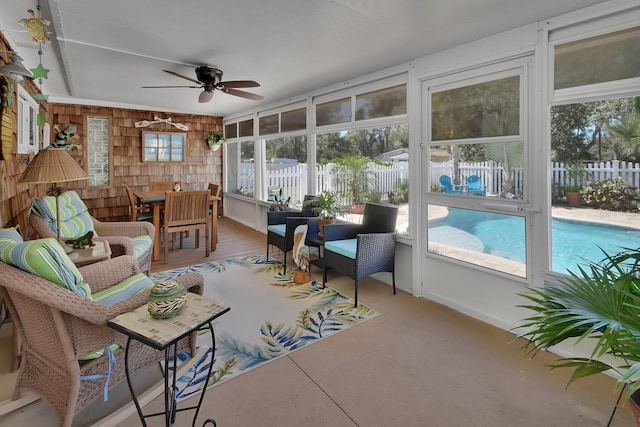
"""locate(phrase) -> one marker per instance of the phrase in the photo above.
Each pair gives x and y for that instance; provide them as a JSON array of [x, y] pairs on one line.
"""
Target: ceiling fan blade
[[239, 83], [205, 96], [162, 87], [243, 94], [181, 76]]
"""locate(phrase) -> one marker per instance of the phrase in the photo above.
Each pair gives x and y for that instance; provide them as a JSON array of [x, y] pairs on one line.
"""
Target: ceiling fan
[[209, 79]]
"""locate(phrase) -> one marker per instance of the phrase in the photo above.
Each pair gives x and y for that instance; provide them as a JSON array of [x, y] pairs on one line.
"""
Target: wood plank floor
[[234, 240]]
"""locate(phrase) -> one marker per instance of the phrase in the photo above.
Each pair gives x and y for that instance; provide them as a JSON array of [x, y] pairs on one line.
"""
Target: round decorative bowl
[[167, 299]]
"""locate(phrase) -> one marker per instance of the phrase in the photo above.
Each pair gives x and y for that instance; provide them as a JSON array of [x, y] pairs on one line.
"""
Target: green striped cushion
[[47, 259], [75, 219], [10, 235], [141, 245], [123, 290]]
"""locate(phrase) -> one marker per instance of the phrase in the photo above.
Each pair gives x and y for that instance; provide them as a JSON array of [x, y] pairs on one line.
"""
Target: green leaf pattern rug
[[270, 317]]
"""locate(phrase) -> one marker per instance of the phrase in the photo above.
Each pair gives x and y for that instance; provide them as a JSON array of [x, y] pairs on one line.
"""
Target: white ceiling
[[103, 51]]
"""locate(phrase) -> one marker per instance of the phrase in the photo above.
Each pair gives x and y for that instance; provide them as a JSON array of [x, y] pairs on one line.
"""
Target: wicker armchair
[[280, 227], [360, 250], [125, 238], [58, 327]]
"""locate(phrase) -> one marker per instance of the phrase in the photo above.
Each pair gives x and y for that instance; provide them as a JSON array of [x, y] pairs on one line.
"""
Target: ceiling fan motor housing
[[209, 75]]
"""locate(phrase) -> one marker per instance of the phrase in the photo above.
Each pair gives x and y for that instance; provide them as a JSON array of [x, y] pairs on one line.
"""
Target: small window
[[386, 102], [163, 147], [231, 131], [27, 123], [246, 128], [333, 112], [269, 124], [294, 120]]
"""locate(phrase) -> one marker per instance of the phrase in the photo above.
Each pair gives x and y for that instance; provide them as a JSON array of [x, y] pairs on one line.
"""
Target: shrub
[[613, 195], [401, 191]]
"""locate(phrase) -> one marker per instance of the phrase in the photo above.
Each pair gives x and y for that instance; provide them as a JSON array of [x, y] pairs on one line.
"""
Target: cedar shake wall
[[200, 167]]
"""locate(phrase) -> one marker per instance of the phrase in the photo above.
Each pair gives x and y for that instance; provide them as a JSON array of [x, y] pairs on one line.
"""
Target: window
[[333, 112], [286, 168], [163, 147], [382, 103], [27, 123], [594, 147], [98, 151]]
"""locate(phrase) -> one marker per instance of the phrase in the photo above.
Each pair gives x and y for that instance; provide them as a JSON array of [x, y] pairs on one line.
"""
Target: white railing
[[293, 179]]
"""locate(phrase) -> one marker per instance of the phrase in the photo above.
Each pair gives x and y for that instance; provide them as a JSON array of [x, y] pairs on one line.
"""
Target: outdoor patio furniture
[[125, 238], [448, 187], [360, 250], [474, 186], [281, 225], [69, 356], [185, 211], [137, 211]]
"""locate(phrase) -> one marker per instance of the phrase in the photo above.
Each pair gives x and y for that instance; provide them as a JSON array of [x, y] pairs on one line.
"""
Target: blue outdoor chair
[[448, 187], [474, 186]]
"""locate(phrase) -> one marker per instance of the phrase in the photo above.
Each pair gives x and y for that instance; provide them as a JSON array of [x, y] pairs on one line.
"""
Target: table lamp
[[52, 166]]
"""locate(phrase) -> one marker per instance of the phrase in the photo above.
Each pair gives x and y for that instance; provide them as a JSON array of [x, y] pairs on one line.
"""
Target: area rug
[[270, 317]]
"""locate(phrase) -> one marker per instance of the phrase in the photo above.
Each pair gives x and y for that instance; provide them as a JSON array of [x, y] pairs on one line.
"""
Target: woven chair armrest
[[193, 282], [40, 227], [130, 229], [120, 245], [102, 275], [341, 231]]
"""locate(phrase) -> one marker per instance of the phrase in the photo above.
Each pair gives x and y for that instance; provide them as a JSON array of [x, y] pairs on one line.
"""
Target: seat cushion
[[346, 247], [47, 259], [10, 235], [75, 219], [124, 290], [141, 245], [279, 229]]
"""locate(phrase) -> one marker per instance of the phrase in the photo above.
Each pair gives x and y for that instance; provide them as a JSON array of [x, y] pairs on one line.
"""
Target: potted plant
[[601, 304], [327, 205], [575, 172], [214, 140]]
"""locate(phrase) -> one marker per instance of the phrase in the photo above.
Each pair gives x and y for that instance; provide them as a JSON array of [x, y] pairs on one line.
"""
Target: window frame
[[109, 119], [157, 160]]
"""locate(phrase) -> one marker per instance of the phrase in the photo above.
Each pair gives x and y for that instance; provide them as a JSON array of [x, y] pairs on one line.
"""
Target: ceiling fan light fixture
[[205, 96]]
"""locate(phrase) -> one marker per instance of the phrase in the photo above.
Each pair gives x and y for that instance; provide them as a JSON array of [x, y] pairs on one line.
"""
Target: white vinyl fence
[[293, 179]]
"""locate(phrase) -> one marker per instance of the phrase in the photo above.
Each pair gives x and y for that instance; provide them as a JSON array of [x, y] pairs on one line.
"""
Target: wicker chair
[[125, 238], [280, 227], [58, 327], [360, 250]]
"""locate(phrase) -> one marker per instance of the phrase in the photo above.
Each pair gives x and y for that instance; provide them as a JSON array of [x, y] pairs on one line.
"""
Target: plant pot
[[321, 223], [357, 208], [215, 147], [300, 276], [574, 198], [634, 407]]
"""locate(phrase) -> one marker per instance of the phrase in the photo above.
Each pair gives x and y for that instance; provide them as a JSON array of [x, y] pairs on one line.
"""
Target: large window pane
[[382, 103], [489, 169], [491, 240], [595, 179], [333, 112], [286, 168], [368, 165], [232, 167], [247, 169], [610, 57], [482, 110]]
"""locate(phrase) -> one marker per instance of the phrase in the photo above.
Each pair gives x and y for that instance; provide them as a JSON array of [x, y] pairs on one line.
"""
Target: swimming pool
[[504, 236]]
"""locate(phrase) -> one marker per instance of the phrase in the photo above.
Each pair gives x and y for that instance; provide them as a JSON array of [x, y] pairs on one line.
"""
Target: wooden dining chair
[[138, 211], [184, 211], [163, 185]]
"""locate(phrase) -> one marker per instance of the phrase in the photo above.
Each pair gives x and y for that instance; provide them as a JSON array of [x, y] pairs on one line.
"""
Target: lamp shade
[[15, 70], [52, 165]]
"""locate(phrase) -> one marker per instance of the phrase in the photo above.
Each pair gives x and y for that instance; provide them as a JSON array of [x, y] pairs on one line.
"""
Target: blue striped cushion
[[47, 259], [123, 290], [279, 229], [75, 219], [10, 235], [141, 245], [347, 247]]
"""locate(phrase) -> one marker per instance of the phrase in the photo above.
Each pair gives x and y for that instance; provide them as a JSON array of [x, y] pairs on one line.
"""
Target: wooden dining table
[[156, 199]]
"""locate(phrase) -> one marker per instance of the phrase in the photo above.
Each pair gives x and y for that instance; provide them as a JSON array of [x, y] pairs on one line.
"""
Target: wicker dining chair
[[185, 211], [360, 250], [58, 327]]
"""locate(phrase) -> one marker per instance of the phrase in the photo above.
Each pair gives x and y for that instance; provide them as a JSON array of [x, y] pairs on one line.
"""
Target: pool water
[[572, 242]]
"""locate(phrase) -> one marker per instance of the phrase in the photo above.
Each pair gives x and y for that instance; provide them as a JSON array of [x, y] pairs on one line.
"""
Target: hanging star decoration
[[40, 72], [64, 137], [37, 27]]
